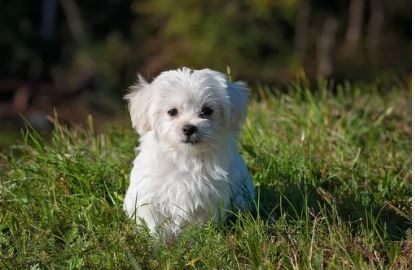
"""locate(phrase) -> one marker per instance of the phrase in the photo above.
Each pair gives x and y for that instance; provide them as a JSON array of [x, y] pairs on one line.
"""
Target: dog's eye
[[172, 112], [205, 112]]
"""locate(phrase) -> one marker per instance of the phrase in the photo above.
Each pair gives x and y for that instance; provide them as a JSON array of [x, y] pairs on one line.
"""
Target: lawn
[[332, 171]]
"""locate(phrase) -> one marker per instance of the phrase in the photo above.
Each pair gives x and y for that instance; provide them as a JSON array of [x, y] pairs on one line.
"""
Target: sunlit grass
[[332, 173]]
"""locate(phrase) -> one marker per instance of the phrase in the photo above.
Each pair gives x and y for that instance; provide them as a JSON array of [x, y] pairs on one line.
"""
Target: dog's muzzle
[[190, 131]]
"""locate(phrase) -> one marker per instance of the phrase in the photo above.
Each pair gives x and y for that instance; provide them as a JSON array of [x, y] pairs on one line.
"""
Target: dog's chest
[[190, 192]]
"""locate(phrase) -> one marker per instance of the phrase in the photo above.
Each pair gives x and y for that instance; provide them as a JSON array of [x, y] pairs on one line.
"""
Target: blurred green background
[[78, 57]]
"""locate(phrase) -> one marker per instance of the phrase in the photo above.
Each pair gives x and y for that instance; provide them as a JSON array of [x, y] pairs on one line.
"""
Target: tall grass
[[332, 171]]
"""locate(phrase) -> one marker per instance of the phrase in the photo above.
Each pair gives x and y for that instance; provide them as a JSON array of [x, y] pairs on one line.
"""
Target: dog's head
[[188, 108]]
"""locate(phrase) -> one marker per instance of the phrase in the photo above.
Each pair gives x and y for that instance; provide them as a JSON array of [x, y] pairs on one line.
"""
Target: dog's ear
[[238, 96], [139, 100]]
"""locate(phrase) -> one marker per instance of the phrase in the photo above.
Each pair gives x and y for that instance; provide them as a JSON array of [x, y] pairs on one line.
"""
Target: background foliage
[[262, 40]]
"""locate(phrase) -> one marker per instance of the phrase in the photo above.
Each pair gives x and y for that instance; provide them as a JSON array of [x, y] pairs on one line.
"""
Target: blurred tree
[[302, 29], [355, 23], [48, 23], [325, 47], [374, 28]]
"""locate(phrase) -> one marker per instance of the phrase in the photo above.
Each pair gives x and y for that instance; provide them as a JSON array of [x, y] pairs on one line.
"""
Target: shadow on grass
[[295, 200]]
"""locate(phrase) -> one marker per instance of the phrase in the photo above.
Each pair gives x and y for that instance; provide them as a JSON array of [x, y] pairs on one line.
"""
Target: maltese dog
[[188, 169]]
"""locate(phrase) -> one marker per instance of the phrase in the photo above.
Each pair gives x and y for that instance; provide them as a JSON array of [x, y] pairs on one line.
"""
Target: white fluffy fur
[[174, 184]]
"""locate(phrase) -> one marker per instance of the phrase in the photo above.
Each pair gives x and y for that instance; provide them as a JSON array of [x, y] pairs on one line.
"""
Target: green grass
[[332, 173]]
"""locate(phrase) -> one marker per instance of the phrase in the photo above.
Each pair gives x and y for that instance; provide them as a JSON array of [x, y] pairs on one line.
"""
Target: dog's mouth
[[191, 140]]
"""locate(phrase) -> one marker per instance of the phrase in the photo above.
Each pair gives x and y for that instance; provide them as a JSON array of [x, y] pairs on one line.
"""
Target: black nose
[[188, 130]]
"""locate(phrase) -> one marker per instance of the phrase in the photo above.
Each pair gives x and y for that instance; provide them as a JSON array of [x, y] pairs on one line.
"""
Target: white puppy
[[188, 168]]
